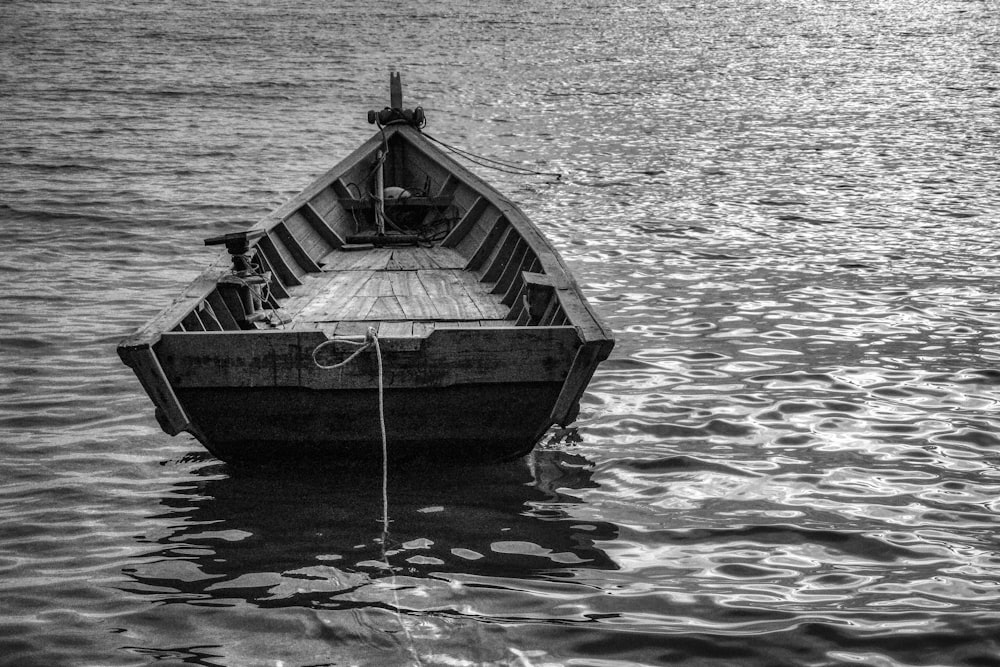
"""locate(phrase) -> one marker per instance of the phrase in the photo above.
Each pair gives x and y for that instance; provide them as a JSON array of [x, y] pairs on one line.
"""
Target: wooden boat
[[484, 338]]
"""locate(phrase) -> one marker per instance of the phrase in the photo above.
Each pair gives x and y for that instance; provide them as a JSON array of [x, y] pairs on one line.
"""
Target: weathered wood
[[374, 259], [465, 223], [340, 189], [424, 173], [420, 294], [512, 268], [448, 183], [280, 259], [538, 279], [448, 297], [385, 308], [326, 232], [399, 261], [458, 324], [339, 291], [528, 264], [539, 298], [446, 357], [418, 257], [275, 285], [192, 322], [223, 310], [170, 413], [298, 252], [464, 197], [396, 329], [584, 365], [501, 255], [551, 312], [308, 238], [354, 204], [172, 315], [423, 329], [470, 242], [327, 206], [355, 329], [208, 318], [447, 187], [493, 238], [395, 91]]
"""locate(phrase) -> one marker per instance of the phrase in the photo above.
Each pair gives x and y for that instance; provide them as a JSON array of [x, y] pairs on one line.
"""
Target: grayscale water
[[786, 210]]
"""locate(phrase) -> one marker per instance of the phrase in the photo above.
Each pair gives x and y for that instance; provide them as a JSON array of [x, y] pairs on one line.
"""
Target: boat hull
[[460, 394], [479, 423], [467, 323]]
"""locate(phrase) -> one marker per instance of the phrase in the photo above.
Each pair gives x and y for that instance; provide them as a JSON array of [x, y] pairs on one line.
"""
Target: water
[[786, 210]]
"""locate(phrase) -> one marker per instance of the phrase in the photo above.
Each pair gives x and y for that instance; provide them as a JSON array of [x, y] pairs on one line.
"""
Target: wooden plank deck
[[393, 284], [404, 259]]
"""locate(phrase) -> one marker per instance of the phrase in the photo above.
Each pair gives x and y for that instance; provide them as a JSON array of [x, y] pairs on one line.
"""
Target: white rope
[[366, 344], [371, 341], [385, 446]]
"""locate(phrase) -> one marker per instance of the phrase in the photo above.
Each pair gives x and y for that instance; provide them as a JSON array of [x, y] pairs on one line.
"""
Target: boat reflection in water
[[308, 536]]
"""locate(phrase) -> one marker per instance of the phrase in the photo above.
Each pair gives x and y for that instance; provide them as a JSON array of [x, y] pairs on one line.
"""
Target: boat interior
[[398, 237]]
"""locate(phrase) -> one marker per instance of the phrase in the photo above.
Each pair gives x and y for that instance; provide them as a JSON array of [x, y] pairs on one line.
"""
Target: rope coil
[[370, 340]]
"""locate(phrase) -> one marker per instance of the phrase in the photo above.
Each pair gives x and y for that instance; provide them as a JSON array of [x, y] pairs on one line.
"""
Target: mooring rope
[[492, 163], [364, 345], [385, 446], [371, 341]]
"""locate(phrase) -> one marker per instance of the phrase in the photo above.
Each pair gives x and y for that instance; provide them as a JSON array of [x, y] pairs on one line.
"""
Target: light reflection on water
[[784, 209]]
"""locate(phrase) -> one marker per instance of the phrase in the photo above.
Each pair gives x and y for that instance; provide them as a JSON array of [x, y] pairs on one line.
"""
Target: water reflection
[[293, 536]]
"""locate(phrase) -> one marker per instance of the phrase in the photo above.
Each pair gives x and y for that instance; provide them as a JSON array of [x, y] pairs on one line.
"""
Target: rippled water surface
[[786, 210]]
